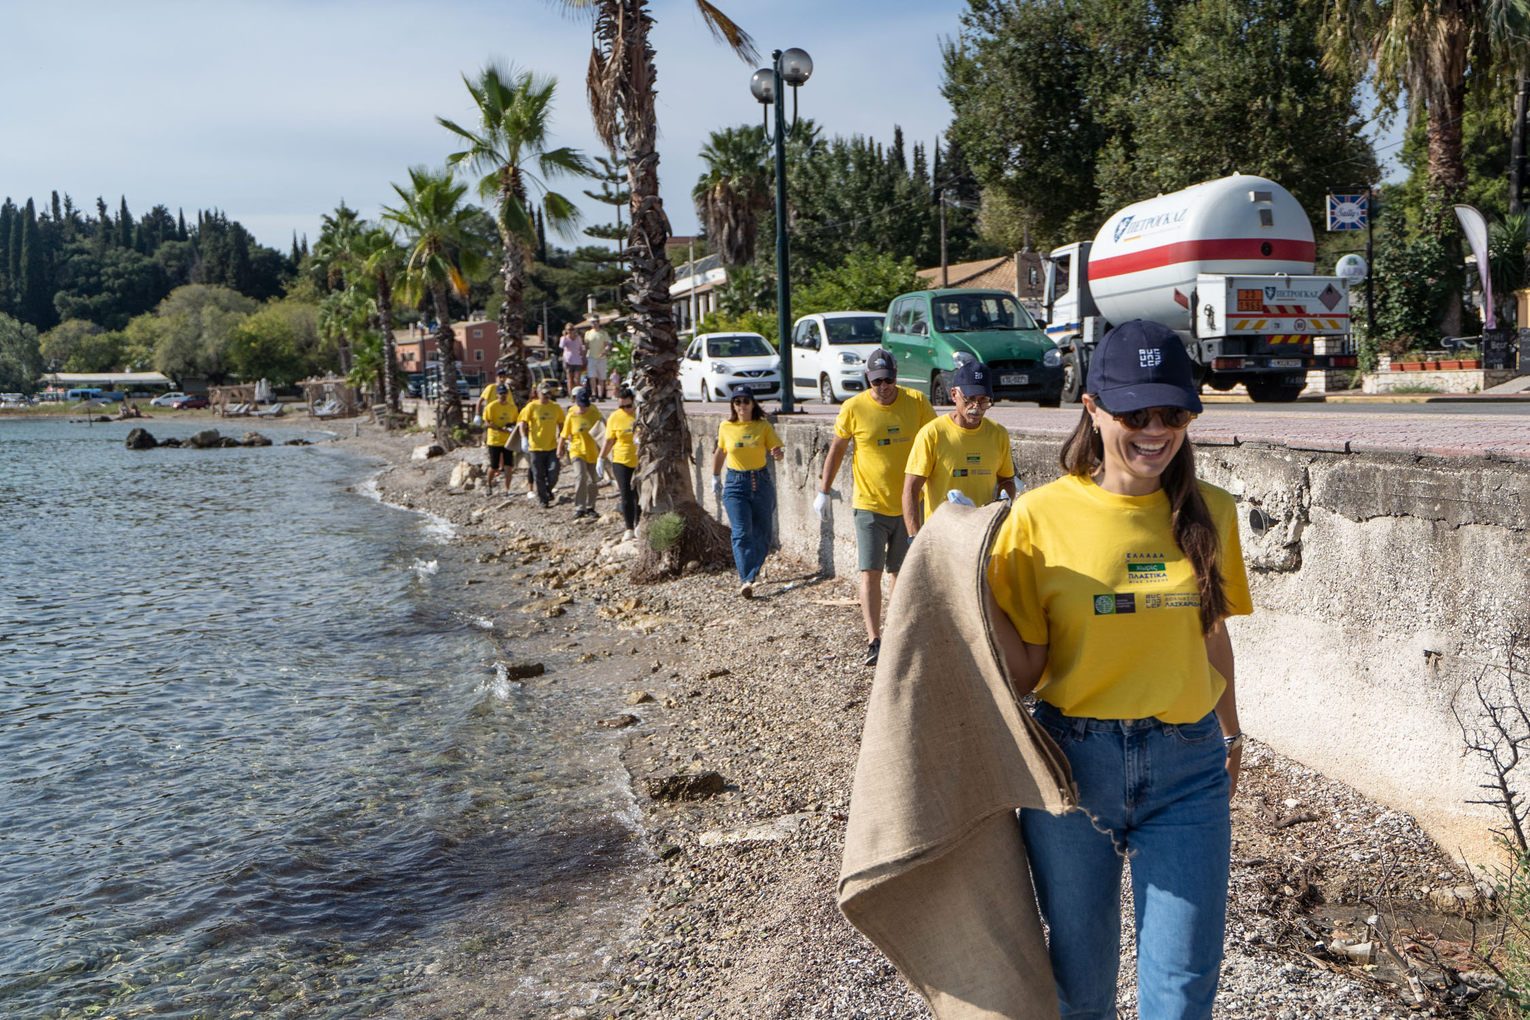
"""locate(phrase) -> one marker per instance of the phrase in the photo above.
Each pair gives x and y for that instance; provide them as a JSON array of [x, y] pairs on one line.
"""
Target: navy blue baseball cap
[[1142, 364], [581, 396], [972, 378]]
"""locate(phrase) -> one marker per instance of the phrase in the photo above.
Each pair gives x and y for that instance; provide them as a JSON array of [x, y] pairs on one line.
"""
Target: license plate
[[1014, 379], [1285, 362], [761, 387]]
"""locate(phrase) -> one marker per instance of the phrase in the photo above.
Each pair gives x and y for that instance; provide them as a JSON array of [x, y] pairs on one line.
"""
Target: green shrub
[[665, 530]]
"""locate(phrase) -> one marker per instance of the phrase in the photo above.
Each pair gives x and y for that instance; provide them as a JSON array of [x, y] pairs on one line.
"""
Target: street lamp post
[[790, 67]]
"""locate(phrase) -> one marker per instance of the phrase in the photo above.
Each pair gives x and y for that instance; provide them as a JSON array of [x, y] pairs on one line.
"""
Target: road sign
[[1348, 212], [1352, 268]]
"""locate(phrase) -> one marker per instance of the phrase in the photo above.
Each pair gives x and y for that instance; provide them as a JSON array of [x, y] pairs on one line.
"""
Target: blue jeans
[[750, 499], [1158, 793]]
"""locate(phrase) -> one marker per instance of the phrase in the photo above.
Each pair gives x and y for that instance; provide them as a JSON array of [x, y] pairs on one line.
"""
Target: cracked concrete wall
[[1383, 587]]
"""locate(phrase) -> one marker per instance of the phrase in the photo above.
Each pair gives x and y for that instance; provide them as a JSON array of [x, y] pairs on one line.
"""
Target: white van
[[829, 351]]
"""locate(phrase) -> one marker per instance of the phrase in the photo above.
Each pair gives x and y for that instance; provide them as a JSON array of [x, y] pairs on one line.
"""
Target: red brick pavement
[[1500, 437]]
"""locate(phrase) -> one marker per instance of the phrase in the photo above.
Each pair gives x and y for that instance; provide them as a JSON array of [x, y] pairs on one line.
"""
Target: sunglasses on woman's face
[[1171, 417]]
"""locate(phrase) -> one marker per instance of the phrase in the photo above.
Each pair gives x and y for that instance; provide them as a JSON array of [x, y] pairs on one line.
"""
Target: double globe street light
[[790, 67]]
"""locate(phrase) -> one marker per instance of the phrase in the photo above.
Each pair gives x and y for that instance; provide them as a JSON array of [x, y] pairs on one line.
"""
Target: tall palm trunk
[[390, 353], [512, 317], [448, 400], [664, 476]]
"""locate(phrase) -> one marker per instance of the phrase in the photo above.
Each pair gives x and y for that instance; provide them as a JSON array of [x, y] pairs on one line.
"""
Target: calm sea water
[[255, 758]]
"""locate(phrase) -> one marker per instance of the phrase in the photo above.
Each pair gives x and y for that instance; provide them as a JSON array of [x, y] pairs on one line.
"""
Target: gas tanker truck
[[1228, 265]]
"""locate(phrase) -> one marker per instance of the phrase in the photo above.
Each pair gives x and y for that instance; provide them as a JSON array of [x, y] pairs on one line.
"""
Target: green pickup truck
[[927, 329]]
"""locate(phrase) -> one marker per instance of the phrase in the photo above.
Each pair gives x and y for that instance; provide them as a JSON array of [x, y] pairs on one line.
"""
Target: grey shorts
[[880, 541]]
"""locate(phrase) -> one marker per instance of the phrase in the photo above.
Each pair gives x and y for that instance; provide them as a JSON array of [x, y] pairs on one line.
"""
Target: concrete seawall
[[1384, 585]]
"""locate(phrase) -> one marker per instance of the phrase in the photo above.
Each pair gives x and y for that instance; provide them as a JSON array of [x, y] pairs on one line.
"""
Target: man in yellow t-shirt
[[882, 423], [499, 415], [501, 378], [961, 450], [578, 441], [540, 421]]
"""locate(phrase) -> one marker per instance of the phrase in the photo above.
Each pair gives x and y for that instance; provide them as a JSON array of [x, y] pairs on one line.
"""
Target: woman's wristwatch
[[1232, 743]]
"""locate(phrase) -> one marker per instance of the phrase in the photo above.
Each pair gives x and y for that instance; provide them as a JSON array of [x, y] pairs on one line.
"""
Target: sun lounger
[[326, 409], [274, 411]]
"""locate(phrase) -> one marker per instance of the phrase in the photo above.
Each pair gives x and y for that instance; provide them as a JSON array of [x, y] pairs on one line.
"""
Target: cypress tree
[[58, 210], [30, 286], [305, 246], [541, 238], [297, 256], [13, 258], [7, 264], [124, 226], [180, 225], [897, 150]]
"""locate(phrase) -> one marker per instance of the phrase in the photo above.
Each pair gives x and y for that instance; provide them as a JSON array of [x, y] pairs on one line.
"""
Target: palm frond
[[725, 30]]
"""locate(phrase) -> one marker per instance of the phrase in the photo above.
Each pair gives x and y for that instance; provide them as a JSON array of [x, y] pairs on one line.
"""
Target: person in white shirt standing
[[597, 344]]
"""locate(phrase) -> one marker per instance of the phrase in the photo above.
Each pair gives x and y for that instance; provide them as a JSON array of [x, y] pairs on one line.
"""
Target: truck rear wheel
[[1073, 378], [1263, 391]]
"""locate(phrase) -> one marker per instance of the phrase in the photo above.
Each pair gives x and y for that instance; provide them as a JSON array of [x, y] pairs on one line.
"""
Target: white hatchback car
[[716, 362], [829, 352], [167, 399]]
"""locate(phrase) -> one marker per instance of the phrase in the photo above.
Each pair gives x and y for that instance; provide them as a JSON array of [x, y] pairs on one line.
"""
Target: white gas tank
[[1145, 259]]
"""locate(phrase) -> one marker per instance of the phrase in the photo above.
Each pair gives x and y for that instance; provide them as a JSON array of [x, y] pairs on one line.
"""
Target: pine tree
[[103, 223], [124, 226], [898, 159], [612, 176]]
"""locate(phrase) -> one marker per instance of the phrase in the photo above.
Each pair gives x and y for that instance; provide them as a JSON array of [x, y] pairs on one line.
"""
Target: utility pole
[[945, 280], [1517, 145]]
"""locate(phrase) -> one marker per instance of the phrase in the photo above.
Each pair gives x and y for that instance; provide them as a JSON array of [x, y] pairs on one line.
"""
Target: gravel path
[[770, 694]]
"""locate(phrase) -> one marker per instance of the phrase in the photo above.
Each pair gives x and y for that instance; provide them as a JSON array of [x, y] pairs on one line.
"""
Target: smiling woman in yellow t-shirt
[[1110, 590], [744, 442], [621, 450]]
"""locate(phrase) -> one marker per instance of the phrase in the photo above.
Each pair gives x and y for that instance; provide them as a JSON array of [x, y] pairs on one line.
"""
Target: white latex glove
[[477, 421], [820, 504], [960, 497], [600, 469], [1004, 494], [717, 486]]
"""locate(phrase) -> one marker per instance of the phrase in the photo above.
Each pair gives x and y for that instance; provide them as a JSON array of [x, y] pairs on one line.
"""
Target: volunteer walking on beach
[[540, 421], [1118, 578], [621, 451], [499, 415], [578, 441], [961, 450], [882, 423], [501, 378], [749, 495]]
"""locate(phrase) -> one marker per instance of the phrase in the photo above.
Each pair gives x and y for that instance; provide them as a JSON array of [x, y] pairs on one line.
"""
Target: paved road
[[1497, 430]]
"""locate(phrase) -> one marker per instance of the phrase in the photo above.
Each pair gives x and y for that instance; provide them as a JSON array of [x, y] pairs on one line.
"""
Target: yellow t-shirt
[[1099, 580], [542, 419], [883, 437], [499, 415], [576, 429], [746, 443], [489, 393], [621, 425], [951, 457]]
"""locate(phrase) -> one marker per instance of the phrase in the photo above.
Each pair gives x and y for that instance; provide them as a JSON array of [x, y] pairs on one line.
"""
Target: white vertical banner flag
[[1475, 227]]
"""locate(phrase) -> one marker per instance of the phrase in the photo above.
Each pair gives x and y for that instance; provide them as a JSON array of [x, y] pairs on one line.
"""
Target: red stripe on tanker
[[1240, 224]]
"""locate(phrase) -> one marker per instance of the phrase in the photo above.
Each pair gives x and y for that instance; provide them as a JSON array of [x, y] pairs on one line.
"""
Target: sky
[[276, 110]]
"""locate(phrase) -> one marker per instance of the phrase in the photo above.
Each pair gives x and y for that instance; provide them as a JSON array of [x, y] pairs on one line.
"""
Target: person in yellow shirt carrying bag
[[1110, 589], [499, 416], [744, 442], [540, 421], [621, 450], [882, 423], [962, 450], [578, 442]]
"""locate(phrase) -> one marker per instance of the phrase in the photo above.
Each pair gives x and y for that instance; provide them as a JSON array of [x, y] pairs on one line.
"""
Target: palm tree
[[734, 191], [381, 262], [514, 111], [332, 263], [1428, 48], [442, 254], [621, 86]]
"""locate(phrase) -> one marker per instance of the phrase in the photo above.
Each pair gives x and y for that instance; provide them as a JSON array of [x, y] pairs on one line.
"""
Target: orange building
[[476, 348]]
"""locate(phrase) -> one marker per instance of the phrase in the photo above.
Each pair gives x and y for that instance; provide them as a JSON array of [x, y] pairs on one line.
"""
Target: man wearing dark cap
[[961, 451], [501, 378], [499, 415], [540, 422], [882, 423]]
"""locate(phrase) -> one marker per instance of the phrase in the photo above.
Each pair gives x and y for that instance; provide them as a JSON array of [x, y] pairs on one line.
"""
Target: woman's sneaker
[[873, 649]]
